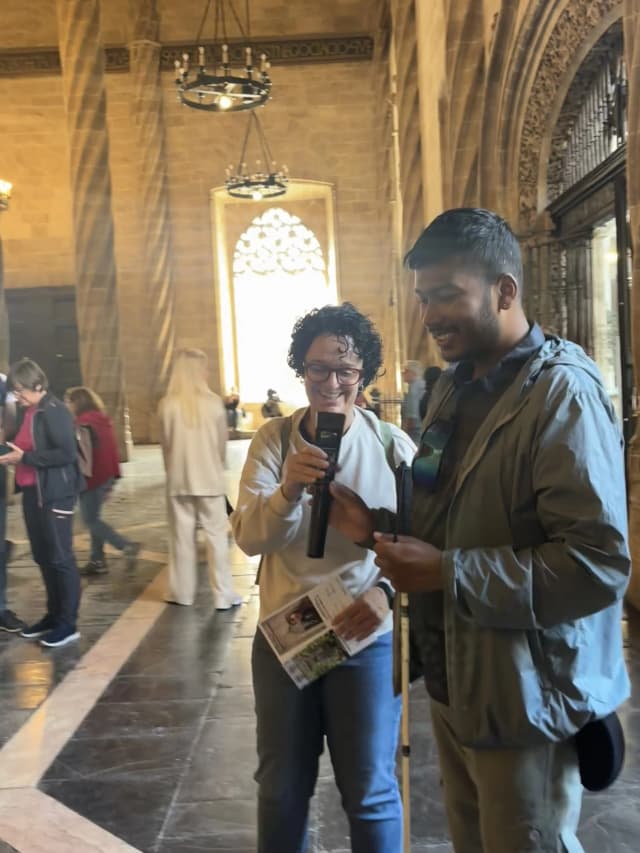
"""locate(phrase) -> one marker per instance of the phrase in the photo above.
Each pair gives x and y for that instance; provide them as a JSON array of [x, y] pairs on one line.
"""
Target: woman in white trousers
[[193, 427]]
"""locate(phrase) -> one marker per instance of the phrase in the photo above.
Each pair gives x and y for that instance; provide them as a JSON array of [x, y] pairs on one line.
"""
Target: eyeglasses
[[344, 375], [425, 468]]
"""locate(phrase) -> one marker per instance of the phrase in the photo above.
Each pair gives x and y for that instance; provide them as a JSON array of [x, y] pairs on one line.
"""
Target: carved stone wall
[[570, 32], [632, 57]]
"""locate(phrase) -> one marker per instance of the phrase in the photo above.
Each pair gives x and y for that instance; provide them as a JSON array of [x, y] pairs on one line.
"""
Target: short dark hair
[[343, 322], [28, 374], [477, 237]]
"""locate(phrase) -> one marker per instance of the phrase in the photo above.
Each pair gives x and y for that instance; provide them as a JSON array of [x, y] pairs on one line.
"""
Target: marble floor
[[141, 736]]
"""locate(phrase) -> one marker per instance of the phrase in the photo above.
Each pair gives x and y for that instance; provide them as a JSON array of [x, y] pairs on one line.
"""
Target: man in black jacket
[[46, 459]]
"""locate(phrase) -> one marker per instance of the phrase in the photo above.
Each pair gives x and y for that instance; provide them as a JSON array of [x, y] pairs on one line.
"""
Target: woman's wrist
[[388, 591], [287, 496]]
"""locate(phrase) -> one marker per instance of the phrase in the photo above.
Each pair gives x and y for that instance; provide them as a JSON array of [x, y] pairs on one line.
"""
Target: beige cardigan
[[194, 456]]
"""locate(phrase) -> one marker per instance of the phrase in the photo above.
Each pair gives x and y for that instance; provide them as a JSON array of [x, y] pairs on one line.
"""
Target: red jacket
[[106, 465]]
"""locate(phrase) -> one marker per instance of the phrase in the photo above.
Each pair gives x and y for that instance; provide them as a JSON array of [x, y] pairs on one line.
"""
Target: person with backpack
[[336, 351], [45, 454], [98, 448]]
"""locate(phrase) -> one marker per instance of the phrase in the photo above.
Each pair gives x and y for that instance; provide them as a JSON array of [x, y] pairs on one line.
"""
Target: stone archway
[[575, 32]]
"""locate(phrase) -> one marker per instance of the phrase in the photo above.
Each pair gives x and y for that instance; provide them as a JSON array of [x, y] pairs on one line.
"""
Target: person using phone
[[335, 351], [45, 455]]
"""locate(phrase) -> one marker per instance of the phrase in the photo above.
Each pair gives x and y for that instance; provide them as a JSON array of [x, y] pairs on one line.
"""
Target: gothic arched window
[[279, 273]]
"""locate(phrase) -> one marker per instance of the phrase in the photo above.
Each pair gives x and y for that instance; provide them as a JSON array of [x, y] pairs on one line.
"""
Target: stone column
[[153, 193], [632, 59], [83, 65], [4, 320]]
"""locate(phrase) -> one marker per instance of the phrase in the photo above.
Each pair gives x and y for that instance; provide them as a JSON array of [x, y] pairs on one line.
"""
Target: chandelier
[[263, 183], [5, 194], [215, 86]]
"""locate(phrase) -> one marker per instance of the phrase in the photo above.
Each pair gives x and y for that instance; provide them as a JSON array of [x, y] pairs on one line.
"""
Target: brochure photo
[[300, 633]]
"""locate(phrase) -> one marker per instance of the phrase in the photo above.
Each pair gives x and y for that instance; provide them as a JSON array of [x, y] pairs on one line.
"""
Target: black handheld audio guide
[[328, 436]]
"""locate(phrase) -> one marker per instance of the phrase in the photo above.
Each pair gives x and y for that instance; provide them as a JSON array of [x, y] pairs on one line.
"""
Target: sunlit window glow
[[279, 273]]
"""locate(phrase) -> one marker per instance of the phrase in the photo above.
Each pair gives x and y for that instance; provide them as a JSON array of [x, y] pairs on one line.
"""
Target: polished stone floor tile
[[136, 719], [136, 815], [120, 759], [228, 745], [222, 824]]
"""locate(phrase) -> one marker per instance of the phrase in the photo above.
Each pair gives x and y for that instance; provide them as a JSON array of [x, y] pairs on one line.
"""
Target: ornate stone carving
[[609, 44], [632, 58], [46, 60], [570, 32]]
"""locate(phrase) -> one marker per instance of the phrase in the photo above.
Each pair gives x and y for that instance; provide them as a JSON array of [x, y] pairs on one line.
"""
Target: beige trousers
[[508, 800], [185, 511]]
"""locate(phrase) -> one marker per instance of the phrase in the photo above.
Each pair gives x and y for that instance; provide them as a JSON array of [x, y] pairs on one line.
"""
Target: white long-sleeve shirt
[[264, 522]]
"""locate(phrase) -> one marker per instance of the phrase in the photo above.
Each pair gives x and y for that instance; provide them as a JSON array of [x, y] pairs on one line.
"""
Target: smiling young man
[[518, 560]]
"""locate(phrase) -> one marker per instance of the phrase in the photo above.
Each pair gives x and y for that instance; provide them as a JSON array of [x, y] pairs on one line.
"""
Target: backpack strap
[[386, 434], [285, 436]]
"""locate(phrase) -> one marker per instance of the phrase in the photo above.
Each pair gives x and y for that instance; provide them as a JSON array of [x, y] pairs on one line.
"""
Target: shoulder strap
[[285, 435], [387, 441]]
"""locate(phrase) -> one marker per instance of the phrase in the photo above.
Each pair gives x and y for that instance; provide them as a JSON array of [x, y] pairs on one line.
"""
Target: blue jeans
[[90, 507], [354, 707]]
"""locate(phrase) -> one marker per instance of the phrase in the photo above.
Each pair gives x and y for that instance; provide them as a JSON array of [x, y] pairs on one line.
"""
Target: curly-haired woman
[[335, 350]]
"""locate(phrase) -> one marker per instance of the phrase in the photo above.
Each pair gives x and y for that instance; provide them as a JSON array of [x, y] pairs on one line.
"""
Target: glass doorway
[[606, 321]]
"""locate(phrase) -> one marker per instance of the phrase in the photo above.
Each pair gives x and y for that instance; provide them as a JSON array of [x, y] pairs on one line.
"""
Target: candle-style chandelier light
[[5, 194], [213, 84], [263, 182]]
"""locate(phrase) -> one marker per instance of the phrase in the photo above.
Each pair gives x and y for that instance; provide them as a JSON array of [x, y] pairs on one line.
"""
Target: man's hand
[[410, 564], [301, 470], [363, 616], [12, 458], [350, 515]]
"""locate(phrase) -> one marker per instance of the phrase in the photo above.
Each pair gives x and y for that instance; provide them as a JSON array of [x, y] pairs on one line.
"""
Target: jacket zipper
[[33, 441]]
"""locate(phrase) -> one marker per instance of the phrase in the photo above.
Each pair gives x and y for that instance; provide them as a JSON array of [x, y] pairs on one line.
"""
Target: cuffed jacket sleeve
[[581, 564], [264, 520]]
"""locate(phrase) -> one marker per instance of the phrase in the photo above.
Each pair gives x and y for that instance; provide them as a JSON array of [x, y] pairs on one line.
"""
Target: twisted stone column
[[4, 320], [632, 59], [153, 190], [82, 58]]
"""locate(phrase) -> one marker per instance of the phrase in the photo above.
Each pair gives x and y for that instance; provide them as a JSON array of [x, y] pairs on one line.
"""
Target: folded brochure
[[301, 635]]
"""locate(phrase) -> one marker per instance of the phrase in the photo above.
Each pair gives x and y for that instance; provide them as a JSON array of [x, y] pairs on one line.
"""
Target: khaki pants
[[509, 800], [185, 511]]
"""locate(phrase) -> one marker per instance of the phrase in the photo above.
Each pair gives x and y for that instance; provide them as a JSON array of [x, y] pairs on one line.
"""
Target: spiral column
[[153, 189], [83, 65]]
